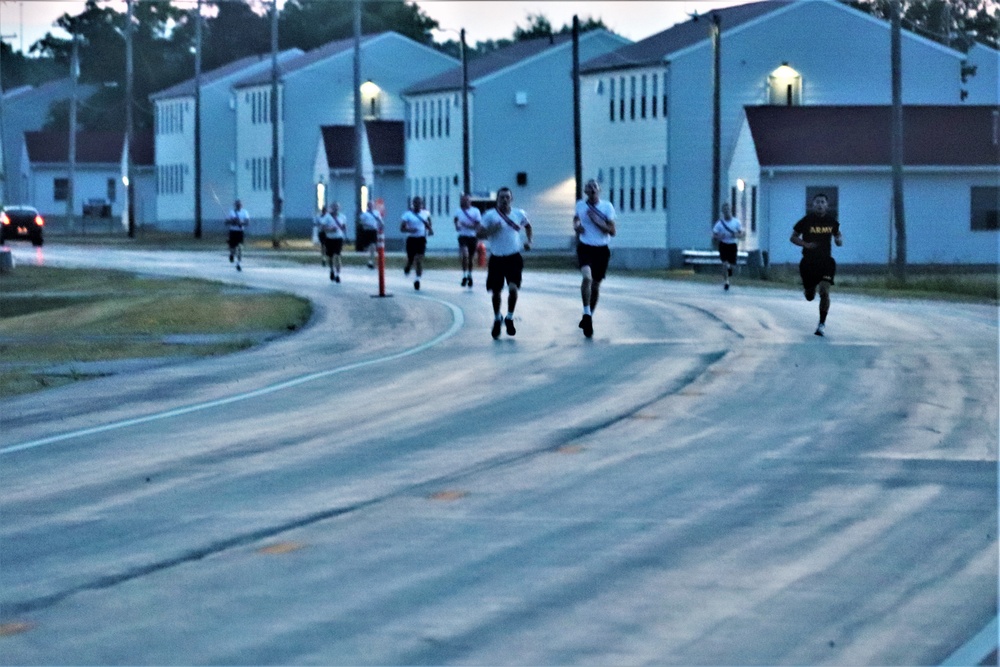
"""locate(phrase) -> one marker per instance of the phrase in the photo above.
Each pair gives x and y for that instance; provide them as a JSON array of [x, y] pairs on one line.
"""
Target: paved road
[[704, 482]]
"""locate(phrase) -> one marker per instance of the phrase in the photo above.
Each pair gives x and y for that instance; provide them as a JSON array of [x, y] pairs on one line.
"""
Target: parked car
[[21, 222]]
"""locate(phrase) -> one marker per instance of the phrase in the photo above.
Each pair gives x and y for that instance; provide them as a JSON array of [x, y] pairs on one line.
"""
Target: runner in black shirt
[[817, 268]]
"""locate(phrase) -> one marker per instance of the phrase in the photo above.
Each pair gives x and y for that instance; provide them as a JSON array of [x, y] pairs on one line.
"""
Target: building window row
[[635, 97], [260, 106], [435, 191], [170, 179], [170, 117], [429, 119], [260, 173], [635, 188]]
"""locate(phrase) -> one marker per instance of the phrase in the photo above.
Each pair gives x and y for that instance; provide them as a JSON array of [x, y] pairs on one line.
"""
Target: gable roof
[[490, 63], [328, 50], [385, 140], [186, 88], [654, 49], [861, 136], [91, 147]]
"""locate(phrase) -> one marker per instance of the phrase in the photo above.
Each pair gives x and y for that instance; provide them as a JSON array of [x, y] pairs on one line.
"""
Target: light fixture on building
[[741, 185], [370, 89]]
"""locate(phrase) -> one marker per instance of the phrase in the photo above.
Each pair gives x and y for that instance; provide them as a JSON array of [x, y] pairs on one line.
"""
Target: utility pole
[[358, 122], [197, 121], [466, 172], [3, 145], [275, 164], [74, 73], [897, 142], [129, 76], [577, 156], [716, 113]]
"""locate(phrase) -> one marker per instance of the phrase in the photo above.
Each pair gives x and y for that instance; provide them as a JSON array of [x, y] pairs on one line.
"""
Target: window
[[631, 189], [632, 100], [643, 105], [416, 121], [663, 200], [621, 188], [653, 97], [611, 103], [753, 208], [985, 207], [440, 118], [60, 189], [621, 102], [642, 187], [652, 181], [447, 119], [423, 128], [611, 185], [409, 119], [112, 189]]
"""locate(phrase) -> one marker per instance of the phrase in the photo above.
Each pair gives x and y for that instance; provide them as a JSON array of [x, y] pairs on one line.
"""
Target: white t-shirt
[[466, 220], [416, 224], [503, 238], [591, 234], [727, 231], [238, 220], [334, 228], [370, 220]]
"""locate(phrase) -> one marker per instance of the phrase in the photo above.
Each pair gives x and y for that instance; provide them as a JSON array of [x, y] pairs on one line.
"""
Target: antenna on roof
[[694, 16]]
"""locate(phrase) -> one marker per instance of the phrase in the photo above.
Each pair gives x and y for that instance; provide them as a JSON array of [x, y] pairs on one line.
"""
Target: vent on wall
[[522, 178], [521, 98]]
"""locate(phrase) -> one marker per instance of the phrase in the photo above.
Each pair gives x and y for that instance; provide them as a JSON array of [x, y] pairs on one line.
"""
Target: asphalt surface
[[705, 482]]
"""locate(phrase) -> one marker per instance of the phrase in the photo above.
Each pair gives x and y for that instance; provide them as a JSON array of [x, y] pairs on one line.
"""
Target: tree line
[[164, 37]]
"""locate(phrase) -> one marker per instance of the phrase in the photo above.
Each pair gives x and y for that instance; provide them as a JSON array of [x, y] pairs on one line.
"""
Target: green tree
[[307, 24], [955, 23]]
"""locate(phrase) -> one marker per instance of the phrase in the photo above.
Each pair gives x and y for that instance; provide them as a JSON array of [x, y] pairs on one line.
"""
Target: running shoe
[[509, 322], [470, 281], [416, 284], [587, 324], [230, 258], [337, 279], [821, 329], [465, 280], [238, 267], [371, 265], [496, 329], [726, 287], [406, 270], [333, 278]]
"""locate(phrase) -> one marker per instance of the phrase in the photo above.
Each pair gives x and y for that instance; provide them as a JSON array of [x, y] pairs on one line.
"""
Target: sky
[[23, 22]]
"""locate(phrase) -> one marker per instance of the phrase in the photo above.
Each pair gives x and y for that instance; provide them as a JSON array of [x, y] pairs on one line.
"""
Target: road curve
[[703, 482]]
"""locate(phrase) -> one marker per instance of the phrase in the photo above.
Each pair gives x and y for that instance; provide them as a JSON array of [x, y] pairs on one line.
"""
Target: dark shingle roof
[[488, 64], [91, 147], [861, 136], [385, 140], [186, 88], [653, 49], [304, 60]]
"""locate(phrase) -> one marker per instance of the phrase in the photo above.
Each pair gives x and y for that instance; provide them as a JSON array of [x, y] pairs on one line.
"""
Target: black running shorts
[[504, 268], [816, 269], [727, 252], [235, 237], [470, 243], [366, 237], [333, 246], [415, 245], [594, 256]]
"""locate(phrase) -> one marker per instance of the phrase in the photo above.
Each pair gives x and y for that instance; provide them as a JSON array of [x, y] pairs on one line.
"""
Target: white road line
[[976, 649], [458, 320]]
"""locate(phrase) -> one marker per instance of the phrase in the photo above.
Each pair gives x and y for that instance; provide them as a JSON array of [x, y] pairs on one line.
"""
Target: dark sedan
[[21, 222]]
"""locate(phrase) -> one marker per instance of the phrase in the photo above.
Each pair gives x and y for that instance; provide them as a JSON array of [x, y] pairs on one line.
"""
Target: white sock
[[510, 316], [586, 310], [499, 317]]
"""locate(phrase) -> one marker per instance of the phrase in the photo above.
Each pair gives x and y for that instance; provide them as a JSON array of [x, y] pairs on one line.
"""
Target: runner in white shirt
[[237, 222], [371, 222], [727, 231], [416, 224], [594, 224], [334, 225], [467, 218], [503, 227]]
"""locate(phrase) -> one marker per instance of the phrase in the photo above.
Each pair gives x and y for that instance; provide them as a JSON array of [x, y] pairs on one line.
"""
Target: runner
[[728, 231], [334, 225], [594, 224], [237, 222], [817, 267], [370, 222], [467, 218], [416, 224], [502, 227]]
